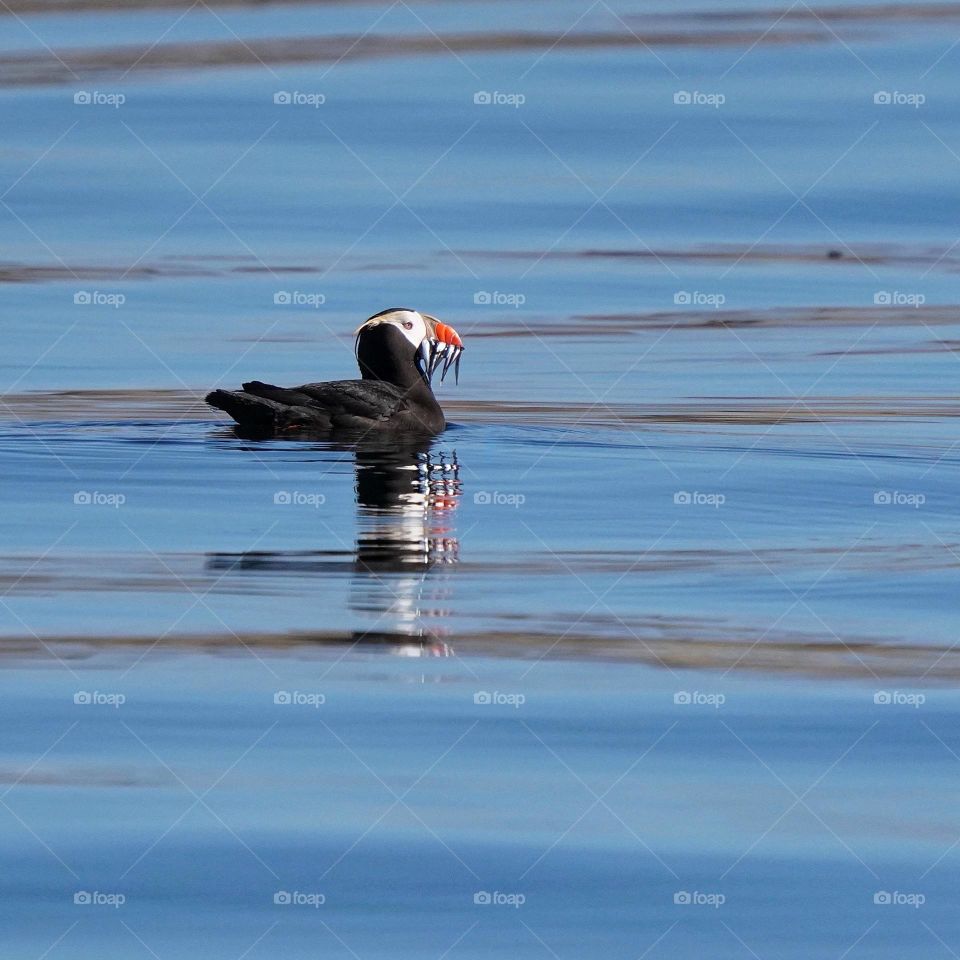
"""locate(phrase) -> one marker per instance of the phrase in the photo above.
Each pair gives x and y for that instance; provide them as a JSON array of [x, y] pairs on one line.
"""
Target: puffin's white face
[[435, 342], [410, 323]]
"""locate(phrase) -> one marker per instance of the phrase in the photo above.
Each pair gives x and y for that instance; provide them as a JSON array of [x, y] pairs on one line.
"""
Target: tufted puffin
[[398, 351]]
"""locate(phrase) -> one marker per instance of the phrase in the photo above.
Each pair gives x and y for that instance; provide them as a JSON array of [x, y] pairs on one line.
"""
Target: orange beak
[[446, 334]]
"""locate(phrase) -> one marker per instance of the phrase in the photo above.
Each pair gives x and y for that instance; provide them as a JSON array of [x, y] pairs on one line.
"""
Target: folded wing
[[338, 404]]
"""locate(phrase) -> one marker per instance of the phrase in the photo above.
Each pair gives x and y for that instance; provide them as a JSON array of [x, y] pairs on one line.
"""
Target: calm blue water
[[399, 799], [692, 528]]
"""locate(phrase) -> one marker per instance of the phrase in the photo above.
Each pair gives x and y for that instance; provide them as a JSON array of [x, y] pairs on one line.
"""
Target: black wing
[[340, 402], [370, 399]]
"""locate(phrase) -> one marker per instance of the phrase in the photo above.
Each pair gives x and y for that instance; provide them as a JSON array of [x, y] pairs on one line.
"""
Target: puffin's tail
[[260, 408], [254, 413]]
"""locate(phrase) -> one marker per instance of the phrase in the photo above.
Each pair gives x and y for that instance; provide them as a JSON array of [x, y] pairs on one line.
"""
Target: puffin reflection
[[407, 495], [406, 499]]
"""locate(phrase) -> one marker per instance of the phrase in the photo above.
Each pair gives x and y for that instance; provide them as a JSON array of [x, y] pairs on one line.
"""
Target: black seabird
[[398, 351]]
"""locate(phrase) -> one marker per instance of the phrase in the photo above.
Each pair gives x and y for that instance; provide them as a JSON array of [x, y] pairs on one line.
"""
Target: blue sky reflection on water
[[695, 513]]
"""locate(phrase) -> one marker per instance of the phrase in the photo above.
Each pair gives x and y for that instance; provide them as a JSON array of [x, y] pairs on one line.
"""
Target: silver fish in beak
[[443, 347]]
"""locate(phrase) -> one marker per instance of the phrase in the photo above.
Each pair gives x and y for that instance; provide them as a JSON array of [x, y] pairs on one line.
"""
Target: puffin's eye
[[407, 324]]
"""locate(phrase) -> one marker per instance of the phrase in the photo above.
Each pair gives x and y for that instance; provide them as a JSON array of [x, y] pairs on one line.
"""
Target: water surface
[[692, 529]]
